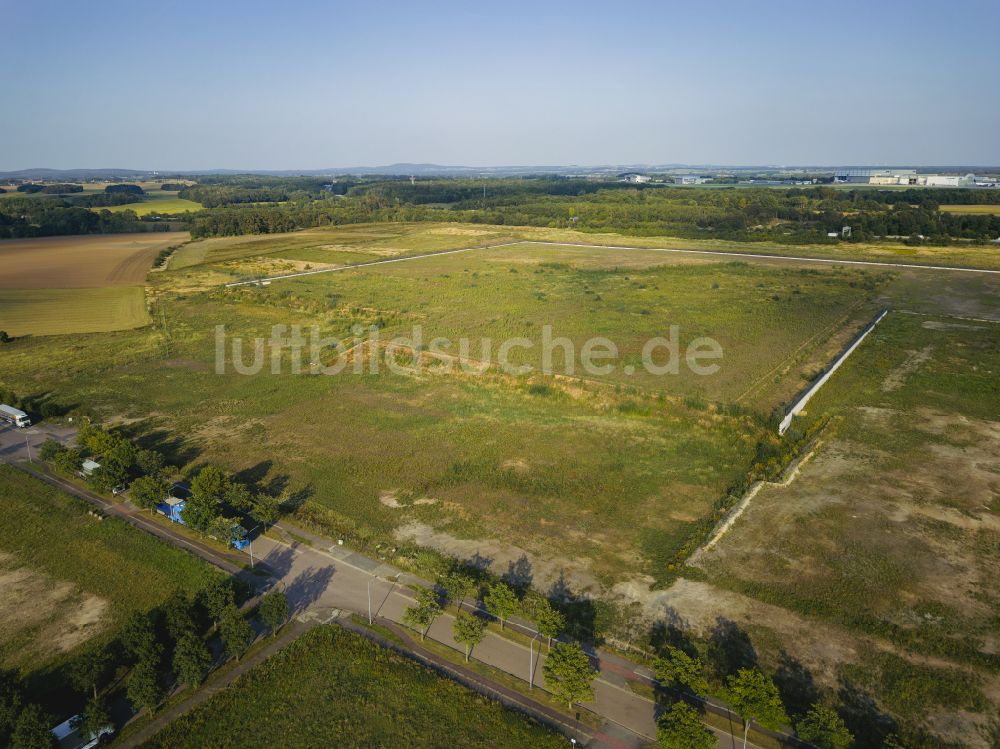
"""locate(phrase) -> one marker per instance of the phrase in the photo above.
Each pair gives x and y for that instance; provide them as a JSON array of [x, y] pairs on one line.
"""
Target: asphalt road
[[320, 577]]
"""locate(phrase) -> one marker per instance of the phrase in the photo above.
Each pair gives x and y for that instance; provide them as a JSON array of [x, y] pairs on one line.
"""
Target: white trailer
[[14, 416]]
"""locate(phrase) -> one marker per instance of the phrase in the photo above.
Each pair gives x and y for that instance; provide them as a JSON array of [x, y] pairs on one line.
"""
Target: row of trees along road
[[568, 672], [750, 693]]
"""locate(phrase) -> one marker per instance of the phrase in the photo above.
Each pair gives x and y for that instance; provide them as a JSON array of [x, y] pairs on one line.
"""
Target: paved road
[[319, 577]]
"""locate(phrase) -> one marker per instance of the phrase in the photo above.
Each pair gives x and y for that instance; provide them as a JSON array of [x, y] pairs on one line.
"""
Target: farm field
[[334, 688], [891, 531], [88, 261], [61, 311], [70, 578], [969, 208], [79, 284], [159, 203]]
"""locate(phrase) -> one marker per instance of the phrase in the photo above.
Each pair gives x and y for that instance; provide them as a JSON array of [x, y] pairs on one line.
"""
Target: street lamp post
[[531, 662], [369, 601], [28, 446]]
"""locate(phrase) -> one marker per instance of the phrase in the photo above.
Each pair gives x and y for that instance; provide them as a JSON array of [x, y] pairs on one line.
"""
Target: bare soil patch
[[41, 616]]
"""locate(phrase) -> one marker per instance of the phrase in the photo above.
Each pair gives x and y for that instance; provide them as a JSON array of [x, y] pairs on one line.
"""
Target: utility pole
[[531, 664], [27, 445], [369, 601]]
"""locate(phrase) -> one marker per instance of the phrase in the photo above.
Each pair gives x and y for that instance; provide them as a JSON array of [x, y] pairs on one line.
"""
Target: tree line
[[34, 217]]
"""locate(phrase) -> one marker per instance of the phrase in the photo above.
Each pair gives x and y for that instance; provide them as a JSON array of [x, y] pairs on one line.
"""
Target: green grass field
[[167, 205], [335, 688], [974, 209], [771, 321], [58, 311], [70, 578], [603, 474]]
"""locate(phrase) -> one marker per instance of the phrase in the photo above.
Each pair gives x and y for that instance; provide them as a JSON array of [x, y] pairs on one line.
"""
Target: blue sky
[[296, 85]]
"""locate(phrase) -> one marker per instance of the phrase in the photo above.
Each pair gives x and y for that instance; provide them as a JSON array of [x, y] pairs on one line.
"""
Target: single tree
[[200, 514], [50, 449], [208, 489], [148, 491], [755, 697], [265, 510], [150, 462], [89, 669], [5, 337], [824, 728], [421, 615], [179, 612], [143, 687], [274, 610], [33, 730], [210, 485], [468, 630], [217, 598], [236, 632], [239, 497], [501, 601], [568, 674], [551, 622], [678, 670], [456, 586], [680, 727], [221, 529], [138, 638], [94, 718], [192, 660]]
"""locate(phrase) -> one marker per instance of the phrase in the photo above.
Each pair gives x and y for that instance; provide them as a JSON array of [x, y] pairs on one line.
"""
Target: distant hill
[[438, 170]]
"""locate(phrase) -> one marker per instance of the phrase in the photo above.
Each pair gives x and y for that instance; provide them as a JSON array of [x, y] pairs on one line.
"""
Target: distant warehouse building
[[904, 177], [689, 179]]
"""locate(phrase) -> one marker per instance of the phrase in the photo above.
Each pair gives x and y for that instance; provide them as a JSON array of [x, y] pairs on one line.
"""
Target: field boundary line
[[741, 507], [767, 256], [797, 407], [950, 317], [829, 331], [367, 263]]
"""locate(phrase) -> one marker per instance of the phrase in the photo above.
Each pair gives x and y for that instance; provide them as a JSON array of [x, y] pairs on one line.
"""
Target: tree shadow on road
[[307, 587]]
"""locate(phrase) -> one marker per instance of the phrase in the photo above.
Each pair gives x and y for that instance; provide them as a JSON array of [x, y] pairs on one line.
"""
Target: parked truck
[[14, 416]]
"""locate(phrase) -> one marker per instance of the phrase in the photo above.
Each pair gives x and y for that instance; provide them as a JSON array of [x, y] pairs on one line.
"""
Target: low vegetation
[[334, 687]]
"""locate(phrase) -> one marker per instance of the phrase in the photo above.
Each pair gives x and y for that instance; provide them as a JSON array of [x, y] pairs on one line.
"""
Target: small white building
[[88, 467], [635, 177], [689, 179]]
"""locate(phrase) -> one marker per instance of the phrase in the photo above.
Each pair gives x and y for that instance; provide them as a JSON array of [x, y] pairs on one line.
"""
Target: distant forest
[[252, 204]]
